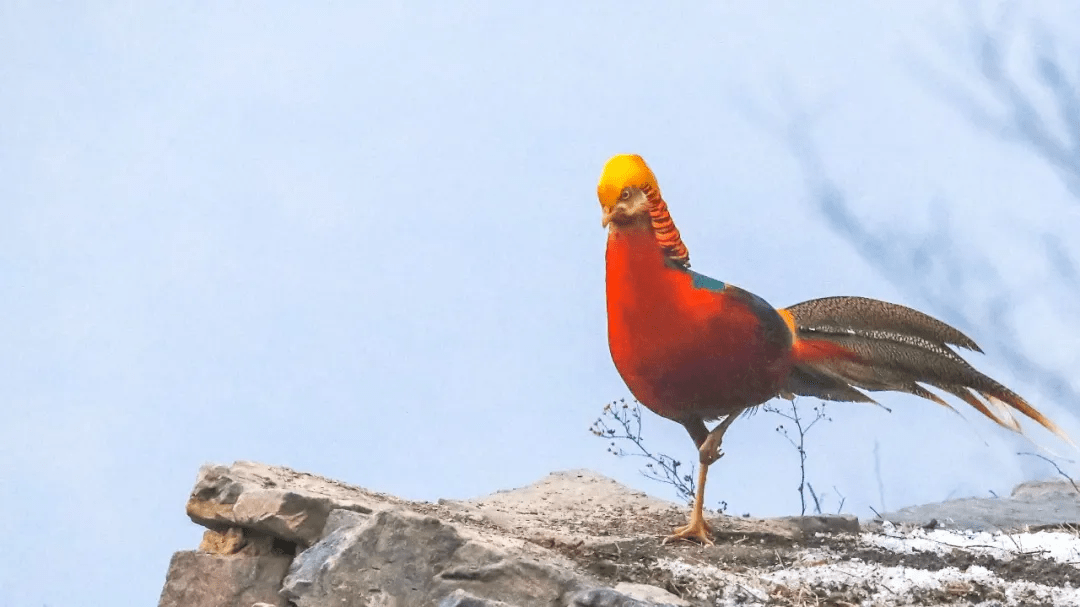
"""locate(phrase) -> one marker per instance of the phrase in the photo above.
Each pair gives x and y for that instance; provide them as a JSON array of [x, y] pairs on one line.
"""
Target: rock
[[236, 540], [564, 540], [786, 529], [830, 524], [211, 580], [1032, 504], [342, 518], [565, 505], [650, 594], [605, 597], [400, 557], [1032, 491], [274, 501], [229, 541], [626, 595], [460, 598]]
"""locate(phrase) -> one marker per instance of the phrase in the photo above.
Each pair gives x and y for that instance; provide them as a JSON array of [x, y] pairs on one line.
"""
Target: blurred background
[[363, 241]]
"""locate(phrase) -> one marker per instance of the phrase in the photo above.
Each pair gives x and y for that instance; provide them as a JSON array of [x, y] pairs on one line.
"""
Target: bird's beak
[[617, 211]]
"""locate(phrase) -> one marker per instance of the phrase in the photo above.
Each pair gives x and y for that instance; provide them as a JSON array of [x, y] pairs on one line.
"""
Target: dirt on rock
[[617, 534]]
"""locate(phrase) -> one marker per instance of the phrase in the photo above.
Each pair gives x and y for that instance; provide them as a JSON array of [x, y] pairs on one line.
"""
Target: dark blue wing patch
[[701, 281]]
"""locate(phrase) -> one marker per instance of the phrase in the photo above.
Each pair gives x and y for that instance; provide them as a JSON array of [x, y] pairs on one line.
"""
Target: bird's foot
[[710, 450], [697, 529]]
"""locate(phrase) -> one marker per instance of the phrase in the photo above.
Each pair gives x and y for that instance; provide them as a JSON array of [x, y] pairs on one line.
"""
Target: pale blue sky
[[364, 242]]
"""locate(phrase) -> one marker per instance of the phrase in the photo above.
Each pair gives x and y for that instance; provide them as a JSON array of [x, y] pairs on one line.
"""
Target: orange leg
[[698, 529]]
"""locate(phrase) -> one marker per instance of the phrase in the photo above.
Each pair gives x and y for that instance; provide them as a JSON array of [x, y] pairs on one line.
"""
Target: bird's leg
[[708, 452], [697, 529]]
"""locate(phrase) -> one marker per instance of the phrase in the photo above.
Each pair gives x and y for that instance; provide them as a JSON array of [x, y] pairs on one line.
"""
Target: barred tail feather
[[871, 315], [844, 345]]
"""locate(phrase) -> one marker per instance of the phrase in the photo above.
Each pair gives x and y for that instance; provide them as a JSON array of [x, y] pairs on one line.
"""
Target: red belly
[[678, 370]]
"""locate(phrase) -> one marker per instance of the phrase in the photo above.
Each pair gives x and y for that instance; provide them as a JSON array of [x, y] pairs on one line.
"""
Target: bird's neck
[[646, 260], [664, 231], [639, 271], [635, 242]]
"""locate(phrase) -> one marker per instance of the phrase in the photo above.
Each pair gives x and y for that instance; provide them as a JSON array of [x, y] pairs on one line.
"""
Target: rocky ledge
[[277, 537]]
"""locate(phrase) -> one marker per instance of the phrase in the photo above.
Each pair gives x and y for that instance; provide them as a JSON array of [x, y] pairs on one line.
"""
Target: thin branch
[[627, 427], [1056, 467], [798, 441], [842, 499], [813, 494]]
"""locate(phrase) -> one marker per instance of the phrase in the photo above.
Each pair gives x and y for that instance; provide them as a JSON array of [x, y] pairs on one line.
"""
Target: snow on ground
[[1057, 545], [846, 579], [903, 584]]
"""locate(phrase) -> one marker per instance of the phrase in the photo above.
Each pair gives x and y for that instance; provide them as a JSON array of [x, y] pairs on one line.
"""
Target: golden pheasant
[[694, 349]]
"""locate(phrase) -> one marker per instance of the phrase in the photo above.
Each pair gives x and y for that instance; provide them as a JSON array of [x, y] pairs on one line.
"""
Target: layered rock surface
[[277, 537]]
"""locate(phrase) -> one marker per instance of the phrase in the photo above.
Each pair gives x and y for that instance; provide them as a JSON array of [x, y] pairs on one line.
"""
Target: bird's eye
[[625, 195]]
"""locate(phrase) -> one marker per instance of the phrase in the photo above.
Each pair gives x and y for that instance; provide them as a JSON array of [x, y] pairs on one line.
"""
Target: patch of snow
[[901, 583], [736, 589], [1059, 546], [878, 584]]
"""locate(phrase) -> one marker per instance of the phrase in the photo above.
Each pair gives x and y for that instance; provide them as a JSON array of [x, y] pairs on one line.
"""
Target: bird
[[694, 349]]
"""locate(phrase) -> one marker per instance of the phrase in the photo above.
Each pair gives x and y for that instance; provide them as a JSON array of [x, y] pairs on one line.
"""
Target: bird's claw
[[710, 450], [697, 529]]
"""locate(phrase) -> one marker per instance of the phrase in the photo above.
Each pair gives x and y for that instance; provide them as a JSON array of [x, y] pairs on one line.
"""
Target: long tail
[[844, 344]]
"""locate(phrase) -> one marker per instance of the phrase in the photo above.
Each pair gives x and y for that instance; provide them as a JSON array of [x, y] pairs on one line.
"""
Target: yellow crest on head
[[622, 171]]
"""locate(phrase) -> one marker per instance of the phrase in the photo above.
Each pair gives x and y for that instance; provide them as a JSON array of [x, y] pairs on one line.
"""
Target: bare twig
[[798, 441], [842, 499], [1055, 465], [814, 496], [627, 427]]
